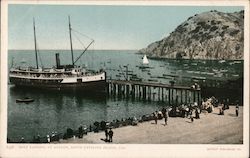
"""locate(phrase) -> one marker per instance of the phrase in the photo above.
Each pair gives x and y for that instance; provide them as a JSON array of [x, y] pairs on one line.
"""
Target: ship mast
[[71, 46], [35, 42]]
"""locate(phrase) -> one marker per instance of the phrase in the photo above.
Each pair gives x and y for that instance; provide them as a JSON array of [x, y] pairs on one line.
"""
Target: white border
[[93, 150]]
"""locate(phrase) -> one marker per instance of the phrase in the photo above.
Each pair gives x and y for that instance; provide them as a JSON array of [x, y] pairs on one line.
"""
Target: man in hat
[[110, 135], [237, 110], [106, 135]]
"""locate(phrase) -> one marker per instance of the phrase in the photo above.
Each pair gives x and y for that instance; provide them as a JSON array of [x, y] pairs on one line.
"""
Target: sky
[[112, 27]]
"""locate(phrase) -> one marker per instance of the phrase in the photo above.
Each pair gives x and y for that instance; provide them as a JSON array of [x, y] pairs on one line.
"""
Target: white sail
[[145, 60]]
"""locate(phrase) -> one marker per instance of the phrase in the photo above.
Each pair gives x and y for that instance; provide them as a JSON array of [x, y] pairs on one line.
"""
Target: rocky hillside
[[209, 35]]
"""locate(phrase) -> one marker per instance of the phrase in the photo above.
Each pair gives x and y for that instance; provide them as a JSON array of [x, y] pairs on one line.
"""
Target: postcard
[[124, 78]]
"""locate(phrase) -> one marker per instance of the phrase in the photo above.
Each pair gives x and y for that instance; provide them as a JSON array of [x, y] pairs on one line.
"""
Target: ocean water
[[58, 111]]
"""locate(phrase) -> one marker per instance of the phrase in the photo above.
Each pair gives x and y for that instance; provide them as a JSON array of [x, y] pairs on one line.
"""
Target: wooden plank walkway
[[161, 85]]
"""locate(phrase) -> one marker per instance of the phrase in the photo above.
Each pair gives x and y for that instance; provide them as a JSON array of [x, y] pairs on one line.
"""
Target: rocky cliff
[[209, 35]]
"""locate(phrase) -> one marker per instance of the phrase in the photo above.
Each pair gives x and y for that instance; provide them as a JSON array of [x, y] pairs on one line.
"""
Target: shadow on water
[[17, 92], [51, 111]]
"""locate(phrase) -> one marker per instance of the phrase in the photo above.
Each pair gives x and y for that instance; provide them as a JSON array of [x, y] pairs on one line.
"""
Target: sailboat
[[145, 63], [61, 77], [145, 60]]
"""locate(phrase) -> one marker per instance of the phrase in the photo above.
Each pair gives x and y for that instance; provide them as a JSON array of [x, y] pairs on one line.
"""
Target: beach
[[211, 128]]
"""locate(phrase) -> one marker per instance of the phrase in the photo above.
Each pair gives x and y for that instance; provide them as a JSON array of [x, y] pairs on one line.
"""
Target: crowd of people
[[189, 111]]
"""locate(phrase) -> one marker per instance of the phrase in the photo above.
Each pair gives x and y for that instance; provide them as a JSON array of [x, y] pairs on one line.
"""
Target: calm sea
[[58, 111]]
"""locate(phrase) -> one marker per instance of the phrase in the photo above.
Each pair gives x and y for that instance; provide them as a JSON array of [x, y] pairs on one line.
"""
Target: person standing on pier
[[111, 133], [237, 110]]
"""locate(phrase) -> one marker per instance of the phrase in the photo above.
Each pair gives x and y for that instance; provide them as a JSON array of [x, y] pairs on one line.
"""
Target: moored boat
[[24, 100], [61, 77]]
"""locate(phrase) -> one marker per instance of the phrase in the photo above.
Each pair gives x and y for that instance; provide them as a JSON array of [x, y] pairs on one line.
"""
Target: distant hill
[[209, 35]]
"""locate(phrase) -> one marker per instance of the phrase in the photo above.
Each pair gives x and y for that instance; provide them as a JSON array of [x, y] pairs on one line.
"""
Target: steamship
[[60, 77]]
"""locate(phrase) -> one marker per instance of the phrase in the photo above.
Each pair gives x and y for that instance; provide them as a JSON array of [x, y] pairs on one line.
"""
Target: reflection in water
[[57, 111], [51, 111]]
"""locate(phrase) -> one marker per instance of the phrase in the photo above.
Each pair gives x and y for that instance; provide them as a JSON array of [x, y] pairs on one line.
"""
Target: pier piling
[[171, 94]]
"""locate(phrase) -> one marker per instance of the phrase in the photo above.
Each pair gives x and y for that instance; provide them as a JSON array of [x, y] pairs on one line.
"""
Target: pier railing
[[173, 94]]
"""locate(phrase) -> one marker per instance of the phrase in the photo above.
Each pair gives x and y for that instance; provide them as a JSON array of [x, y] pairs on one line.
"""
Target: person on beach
[[163, 112], [48, 139], [155, 117], [22, 140], [197, 115], [166, 117], [192, 119], [237, 110], [106, 135], [111, 133]]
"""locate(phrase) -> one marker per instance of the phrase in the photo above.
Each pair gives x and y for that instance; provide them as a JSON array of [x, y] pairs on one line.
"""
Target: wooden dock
[[171, 93]]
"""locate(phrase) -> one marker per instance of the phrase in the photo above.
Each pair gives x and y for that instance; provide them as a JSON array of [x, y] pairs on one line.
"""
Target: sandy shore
[[209, 129]]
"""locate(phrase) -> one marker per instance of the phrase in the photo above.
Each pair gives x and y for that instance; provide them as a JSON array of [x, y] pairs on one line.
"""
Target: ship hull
[[91, 86]]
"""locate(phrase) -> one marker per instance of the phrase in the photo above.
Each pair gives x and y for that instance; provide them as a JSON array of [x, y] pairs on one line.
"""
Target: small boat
[[218, 75], [237, 62], [145, 60], [152, 80], [144, 67], [161, 77], [222, 61], [198, 78], [25, 100], [145, 70], [223, 70], [235, 75], [209, 73]]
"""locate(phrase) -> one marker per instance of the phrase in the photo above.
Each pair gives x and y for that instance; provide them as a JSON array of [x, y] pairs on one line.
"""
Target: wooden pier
[[154, 91]]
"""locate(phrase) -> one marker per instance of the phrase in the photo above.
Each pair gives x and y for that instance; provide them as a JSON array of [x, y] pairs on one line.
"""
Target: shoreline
[[211, 128]]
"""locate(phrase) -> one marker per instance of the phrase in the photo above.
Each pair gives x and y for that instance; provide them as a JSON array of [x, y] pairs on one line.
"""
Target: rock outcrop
[[209, 35]]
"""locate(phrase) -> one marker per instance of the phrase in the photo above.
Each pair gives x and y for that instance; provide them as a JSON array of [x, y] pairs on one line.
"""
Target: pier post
[[133, 91], [159, 91], [172, 96], [119, 89], [149, 93], [136, 91], [107, 88], [189, 98], [114, 92], [186, 96], [140, 91], [144, 92], [176, 101], [199, 98], [127, 90], [181, 97], [162, 94], [169, 98], [194, 95]]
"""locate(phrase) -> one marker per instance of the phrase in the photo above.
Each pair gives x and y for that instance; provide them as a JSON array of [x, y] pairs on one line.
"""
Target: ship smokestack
[[57, 61]]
